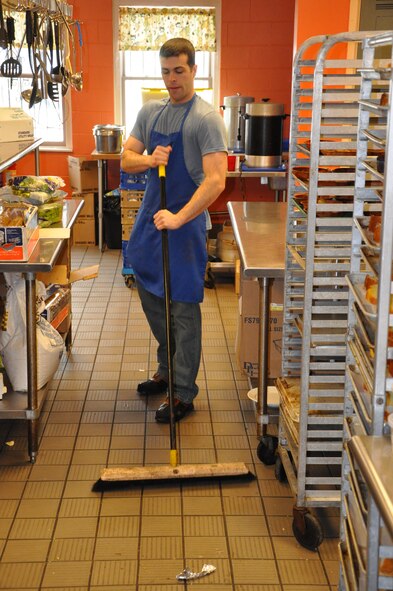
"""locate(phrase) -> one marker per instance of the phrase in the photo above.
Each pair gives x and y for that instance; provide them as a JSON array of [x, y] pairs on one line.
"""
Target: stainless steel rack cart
[[366, 546], [322, 159]]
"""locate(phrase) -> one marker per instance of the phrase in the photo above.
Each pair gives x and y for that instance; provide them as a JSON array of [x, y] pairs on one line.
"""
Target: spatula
[[11, 68]]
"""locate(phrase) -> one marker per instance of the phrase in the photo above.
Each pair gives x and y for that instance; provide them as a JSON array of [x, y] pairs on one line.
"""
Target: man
[[188, 137]]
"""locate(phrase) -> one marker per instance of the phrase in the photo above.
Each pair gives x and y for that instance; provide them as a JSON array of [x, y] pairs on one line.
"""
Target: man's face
[[178, 78]]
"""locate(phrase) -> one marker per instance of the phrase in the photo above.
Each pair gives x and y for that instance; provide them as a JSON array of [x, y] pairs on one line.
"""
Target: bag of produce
[[50, 213]]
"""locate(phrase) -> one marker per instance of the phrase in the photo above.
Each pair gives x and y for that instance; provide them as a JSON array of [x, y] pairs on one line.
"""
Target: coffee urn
[[263, 134], [234, 111]]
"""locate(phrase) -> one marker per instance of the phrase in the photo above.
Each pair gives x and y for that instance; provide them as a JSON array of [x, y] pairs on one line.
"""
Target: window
[[138, 72], [139, 87], [52, 119]]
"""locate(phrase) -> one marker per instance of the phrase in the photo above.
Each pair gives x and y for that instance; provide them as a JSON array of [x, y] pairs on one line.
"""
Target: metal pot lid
[[265, 109], [237, 100]]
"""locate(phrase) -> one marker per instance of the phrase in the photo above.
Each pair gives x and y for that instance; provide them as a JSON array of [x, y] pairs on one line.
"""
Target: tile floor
[[57, 534]]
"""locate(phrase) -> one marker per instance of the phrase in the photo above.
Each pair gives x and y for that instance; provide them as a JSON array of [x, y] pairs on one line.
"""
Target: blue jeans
[[186, 341]]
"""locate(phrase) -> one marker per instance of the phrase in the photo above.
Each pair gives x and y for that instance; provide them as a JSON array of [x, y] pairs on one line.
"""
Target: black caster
[[129, 280], [266, 450], [279, 470], [306, 529]]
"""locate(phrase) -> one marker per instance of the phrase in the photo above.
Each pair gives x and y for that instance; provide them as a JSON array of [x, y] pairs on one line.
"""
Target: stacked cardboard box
[[83, 178]]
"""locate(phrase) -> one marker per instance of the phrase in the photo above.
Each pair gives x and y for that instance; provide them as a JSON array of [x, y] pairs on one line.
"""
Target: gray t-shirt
[[203, 132]]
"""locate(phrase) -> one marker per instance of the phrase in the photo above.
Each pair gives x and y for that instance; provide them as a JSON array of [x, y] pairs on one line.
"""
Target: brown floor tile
[[38, 508], [69, 527], [302, 571], [161, 548], [72, 549], [67, 574], [114, 572], [14, 575], [244, 547], [33, 529], [116, 549], [25, 551], [205, 547], [255, 571]]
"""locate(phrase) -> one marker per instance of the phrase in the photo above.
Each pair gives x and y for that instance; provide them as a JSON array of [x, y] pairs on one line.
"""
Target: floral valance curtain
[[149, 28]]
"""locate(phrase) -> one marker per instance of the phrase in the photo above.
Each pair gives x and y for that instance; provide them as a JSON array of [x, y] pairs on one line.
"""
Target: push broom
[[173, 470]]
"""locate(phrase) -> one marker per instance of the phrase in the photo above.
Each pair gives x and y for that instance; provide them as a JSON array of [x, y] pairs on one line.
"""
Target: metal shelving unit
[[366, 545], [322, 174]]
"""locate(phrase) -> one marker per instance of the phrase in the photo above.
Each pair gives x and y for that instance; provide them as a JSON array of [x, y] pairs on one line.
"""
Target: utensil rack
[[321, 186], [366, 538]]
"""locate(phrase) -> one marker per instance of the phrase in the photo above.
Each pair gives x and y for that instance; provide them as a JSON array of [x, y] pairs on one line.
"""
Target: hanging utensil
[[77, 77], [3, 31], [56, 70], [32, 95], [52, 88], [11, 67]]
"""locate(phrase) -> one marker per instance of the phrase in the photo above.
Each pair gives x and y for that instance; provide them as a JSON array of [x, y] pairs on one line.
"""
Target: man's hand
[[165, 220], [160, 156]]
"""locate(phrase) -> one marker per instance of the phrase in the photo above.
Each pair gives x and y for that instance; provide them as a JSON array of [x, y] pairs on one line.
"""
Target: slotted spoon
[[11, 67]]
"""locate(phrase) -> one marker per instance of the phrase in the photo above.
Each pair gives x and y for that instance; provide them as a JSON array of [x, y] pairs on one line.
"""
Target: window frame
[[117, 59]]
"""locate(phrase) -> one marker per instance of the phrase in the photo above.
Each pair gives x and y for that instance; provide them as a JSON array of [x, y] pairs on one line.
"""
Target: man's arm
[[133, 158], [214, 169]]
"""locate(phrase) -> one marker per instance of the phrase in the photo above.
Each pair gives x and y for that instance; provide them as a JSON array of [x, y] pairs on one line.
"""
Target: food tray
[[366, 327], [362, 394], [371, 259], [366, 377], [291, 426], [376, 139], [362, 224], [289, 389], [368, 166], [356, 285]]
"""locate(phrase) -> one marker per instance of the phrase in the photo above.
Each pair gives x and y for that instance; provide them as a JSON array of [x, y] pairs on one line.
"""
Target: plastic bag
[[13, 345]]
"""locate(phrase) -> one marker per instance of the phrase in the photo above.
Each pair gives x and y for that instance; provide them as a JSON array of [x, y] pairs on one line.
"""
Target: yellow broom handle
[[161, 170]]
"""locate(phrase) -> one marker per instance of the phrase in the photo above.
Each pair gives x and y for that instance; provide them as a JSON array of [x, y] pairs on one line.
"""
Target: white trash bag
[[13, 345]]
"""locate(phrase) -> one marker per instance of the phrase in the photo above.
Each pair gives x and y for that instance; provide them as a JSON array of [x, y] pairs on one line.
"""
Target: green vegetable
[[50, 213]]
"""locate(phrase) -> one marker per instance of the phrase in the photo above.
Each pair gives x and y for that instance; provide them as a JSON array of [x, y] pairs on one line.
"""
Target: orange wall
[[256, 60]]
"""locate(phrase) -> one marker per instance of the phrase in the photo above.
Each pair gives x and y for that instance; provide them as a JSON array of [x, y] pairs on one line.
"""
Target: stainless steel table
[[260, 233], [16, 405]]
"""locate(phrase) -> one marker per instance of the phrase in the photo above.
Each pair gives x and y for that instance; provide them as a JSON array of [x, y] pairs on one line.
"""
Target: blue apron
[[187, 245]]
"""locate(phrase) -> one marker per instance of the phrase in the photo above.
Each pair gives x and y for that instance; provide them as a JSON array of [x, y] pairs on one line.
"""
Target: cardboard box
[[90, 200], [83, 173], [247, 336], [18, 242], [84, 231], [131, 199], [61, 275], [15, 125]]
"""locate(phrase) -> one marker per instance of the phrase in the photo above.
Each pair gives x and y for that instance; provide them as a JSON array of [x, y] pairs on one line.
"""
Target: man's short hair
[[176, 46]]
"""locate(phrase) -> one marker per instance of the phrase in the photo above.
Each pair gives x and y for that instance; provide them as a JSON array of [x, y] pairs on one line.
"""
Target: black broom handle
[[168, 326]]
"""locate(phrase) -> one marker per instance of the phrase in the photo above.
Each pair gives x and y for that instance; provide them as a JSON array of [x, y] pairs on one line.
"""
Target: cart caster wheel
[[279, 470], [266, 450], [307, 530], [129, 280]]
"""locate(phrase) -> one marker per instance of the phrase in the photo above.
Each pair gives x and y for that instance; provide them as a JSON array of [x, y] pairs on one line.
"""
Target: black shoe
[[154, 386], [181, 410]]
